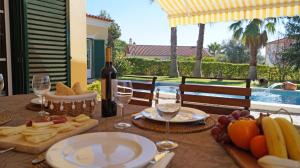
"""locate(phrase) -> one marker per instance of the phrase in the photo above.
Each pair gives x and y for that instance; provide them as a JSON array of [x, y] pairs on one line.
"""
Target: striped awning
[[182, 12]]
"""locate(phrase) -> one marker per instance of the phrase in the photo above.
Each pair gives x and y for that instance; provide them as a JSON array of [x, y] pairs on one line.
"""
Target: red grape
[[216, 131], [236, 114], [223, 120], [244, 113]]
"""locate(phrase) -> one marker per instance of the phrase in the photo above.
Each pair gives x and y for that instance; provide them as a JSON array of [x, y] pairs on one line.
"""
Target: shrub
[[208, 59], [122, 65], [142, 66]]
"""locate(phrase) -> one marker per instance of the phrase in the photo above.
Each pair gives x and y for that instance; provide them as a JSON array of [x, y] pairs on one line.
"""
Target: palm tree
[[197, 68], [173, 71], [254, 34], [214, 48]]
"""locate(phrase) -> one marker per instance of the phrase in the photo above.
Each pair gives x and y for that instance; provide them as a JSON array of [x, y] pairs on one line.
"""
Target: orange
[[242, 131], [258, 146]]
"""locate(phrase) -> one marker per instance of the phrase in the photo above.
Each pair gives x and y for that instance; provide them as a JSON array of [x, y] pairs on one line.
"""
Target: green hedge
[[140, 66]]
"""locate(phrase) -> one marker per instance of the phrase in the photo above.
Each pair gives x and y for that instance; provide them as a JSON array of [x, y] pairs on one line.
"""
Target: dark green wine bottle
[[108, 84]]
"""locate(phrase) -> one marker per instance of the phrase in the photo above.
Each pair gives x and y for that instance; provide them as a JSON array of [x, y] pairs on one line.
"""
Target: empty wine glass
[[122, 96], [1, 83], [41, 84], [167, 107]]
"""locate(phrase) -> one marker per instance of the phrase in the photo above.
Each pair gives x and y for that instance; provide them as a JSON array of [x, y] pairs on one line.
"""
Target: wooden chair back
[[215, 99], [143, 93]]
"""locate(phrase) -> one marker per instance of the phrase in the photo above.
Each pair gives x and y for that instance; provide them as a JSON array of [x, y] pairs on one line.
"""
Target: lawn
[[191, 80]]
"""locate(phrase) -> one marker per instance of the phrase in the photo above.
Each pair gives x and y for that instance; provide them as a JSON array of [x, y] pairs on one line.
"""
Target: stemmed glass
[[1, 83], [41, 85], [167, 107], [122, 95]]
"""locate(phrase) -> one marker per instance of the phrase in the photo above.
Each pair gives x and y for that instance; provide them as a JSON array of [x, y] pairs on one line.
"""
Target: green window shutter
[[98, 57], [46, 40]]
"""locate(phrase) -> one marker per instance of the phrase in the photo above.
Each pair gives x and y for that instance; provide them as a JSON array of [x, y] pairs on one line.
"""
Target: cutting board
[[242, 158], [22, 145]]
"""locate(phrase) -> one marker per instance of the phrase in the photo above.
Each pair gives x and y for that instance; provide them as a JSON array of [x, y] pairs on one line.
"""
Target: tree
[[292, 54], [173, 72], [235, 51], [197, 68], [254, 34], [287, 59], [114, 30], [214, 48]]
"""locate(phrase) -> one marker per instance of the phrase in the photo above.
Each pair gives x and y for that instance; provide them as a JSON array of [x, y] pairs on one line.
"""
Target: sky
[[146, 23]]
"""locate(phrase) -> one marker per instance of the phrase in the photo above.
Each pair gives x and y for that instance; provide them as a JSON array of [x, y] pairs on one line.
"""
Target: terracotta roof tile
[[162, 50], [99, 18]]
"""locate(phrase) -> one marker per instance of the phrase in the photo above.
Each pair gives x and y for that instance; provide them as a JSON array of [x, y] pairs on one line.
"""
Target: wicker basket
[[71, 105]]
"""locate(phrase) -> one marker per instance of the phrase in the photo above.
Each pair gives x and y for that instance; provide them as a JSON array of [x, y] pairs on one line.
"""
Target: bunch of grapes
[[219, 132]]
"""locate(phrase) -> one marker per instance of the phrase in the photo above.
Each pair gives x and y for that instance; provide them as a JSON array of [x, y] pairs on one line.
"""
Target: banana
[[269, 161], [291, 137], [274, 137]]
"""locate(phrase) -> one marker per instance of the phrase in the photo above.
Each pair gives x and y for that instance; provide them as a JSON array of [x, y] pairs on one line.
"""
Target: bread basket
[[71, 105]]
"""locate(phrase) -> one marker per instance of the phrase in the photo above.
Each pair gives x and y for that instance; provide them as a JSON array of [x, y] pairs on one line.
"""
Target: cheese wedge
[[81, 118], [76, 124]]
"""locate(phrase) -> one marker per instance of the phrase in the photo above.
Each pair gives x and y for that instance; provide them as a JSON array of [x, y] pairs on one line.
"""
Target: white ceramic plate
[[102, 149], [185, 115], [36, 101]]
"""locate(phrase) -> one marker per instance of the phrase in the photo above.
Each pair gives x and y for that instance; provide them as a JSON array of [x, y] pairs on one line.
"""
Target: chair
[[211, 98], [143, 93]]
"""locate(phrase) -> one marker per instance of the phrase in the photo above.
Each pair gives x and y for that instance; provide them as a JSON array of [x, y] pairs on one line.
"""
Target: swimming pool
[[276, 96]]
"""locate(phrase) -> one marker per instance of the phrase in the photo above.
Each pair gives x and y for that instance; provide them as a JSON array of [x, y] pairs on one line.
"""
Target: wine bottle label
[[104, 89], [114, 88]]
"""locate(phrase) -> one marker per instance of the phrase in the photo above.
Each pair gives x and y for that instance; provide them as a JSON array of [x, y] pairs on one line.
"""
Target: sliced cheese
[[38, 131], [40, 138], [8, 131], [41, 124]]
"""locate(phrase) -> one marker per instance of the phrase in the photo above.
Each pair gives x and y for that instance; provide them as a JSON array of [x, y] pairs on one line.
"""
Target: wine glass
[[122, 96], [41, 85], [167, 107], [1, 83]]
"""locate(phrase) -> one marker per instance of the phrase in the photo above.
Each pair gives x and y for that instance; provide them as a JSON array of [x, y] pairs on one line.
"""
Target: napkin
[[163, 163]]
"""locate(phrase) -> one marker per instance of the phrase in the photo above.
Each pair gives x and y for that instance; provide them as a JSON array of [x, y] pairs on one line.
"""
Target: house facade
[[162, 52], [42, 36], [275, 47], [97, 34]]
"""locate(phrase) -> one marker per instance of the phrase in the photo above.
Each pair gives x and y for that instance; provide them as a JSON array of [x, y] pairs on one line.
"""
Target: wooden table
[[195, 150]]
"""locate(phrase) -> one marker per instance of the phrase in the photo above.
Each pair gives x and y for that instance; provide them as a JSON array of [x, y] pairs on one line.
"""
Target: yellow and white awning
[[182, 12]]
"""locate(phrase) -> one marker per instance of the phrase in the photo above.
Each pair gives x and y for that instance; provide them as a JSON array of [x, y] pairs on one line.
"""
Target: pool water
[[277, 96]]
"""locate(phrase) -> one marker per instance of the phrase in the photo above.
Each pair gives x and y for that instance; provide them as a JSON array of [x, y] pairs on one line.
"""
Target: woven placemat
[[35, 107], [174, 128]]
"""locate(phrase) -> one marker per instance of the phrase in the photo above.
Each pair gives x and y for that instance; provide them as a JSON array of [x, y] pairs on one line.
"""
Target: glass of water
[[167, 107], [1, 83], [122, 95], [41, 85]]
